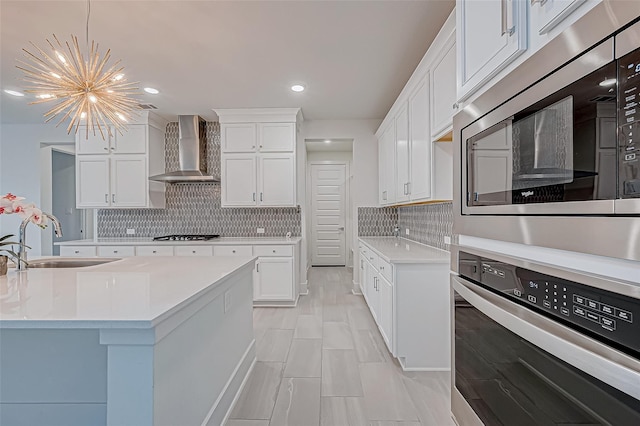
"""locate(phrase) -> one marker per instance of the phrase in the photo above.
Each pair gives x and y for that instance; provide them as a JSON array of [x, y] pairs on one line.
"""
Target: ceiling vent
[[147, 106]]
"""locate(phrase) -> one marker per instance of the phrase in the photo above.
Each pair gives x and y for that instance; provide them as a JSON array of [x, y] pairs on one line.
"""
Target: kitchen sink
[[68, 263]]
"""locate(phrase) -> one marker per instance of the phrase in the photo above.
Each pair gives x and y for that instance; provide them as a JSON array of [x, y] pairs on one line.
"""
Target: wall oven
[[534, 345], [554, 163]]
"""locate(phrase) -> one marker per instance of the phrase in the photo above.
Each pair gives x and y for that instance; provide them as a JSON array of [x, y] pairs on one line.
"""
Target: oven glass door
[[507, 380], [562, 148]]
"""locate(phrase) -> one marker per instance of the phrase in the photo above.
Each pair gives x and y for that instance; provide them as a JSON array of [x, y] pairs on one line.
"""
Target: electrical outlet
[[447, 239], [406, 231], [227, 301], [260, 231], [131, 232]]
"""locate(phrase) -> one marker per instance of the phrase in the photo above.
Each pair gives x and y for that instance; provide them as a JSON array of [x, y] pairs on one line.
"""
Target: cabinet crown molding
[[259, 115]]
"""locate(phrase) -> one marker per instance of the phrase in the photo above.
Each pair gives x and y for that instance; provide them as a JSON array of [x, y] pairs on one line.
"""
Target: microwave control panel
[[629, 124], [611, 316]]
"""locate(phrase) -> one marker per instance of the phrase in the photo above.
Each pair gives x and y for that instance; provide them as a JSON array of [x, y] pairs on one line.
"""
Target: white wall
[[20, 169], [364, 166]]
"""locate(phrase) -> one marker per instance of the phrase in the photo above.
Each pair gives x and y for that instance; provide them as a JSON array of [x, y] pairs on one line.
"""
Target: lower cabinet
[[410, 305], [275, 274], [273, 279]]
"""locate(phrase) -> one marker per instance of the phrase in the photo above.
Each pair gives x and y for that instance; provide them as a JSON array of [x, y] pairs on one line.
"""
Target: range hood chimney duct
[[192, 149]]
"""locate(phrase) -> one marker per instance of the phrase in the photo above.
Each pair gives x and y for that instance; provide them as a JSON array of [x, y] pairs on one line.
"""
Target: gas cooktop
[[186, 237]]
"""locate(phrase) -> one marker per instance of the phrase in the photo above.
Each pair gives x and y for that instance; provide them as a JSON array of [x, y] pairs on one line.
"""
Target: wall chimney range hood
[[192, 153]]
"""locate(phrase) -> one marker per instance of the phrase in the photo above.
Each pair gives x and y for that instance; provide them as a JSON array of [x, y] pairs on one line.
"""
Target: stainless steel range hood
[[192, 152]]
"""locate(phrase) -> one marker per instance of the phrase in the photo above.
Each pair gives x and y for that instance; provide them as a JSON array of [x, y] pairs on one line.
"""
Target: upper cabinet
[[443, 90], [113, 172], [490, 35], [547, 14], [411, 166], [494, 37], [258, 157]]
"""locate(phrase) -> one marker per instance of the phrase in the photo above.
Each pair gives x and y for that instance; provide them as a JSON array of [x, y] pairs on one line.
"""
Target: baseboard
[[405, 368], [304, 288], [356, 288], [214, 416]]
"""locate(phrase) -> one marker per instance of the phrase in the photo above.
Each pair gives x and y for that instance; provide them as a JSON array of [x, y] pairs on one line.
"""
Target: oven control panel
[[610, 315]]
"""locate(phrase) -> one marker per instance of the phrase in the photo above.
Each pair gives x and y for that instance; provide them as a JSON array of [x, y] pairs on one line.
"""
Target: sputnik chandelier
[[86, 88]]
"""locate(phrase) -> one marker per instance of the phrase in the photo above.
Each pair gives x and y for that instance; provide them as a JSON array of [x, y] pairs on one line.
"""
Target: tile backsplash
[[376, 222], [195, 208], [427, 223]]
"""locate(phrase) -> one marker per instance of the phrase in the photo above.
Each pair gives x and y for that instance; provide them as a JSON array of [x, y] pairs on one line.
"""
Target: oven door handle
[[596, 359]]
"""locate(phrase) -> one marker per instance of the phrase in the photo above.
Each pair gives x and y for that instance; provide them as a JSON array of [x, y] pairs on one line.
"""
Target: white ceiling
[[353, 56]]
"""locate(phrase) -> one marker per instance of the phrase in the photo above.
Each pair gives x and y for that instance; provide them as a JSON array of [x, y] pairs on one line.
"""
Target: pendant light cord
[[87, 30]]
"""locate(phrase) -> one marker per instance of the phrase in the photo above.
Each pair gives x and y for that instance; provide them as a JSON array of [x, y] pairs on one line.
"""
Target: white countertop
[[135, 291], [400, 250], [148, 241]]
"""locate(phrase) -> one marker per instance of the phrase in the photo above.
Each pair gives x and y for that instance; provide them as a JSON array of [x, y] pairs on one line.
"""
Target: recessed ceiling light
[[297, 88], [13, 92], [608, 82], [327, 141], [151, 90]]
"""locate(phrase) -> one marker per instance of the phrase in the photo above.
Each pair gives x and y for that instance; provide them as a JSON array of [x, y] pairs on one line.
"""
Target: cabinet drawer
[[273, 251], [77, 251], [154, 251], [194, 251], [385, 269], [372, 258], [116, 251], [232, 251]]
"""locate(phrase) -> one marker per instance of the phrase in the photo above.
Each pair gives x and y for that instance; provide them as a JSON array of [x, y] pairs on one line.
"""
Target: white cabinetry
[[239, 180], [443, 91], [273, 279], [420, 165], [411, 168], [114, 172], [276, 273], [490, 35], [258, 157], [410, 304], [494, 37], [548, 14], [386, 165], [402, 154]]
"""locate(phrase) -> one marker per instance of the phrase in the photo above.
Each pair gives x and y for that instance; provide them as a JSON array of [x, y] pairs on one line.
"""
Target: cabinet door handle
[[254, 196], [106, 198], [261, 196], [193, 251], [258, 267], [408, 188], [105, 148], [113, 198], [115, 251], [154, 252], [76, 251], [455, 105], [233, 251]]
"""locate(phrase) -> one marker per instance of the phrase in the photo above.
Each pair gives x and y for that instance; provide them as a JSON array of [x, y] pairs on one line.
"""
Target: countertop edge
[[398, 260], [217, 242]]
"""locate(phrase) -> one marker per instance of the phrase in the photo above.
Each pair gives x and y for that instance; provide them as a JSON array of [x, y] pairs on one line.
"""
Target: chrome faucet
[[396, 230], [22, 250]]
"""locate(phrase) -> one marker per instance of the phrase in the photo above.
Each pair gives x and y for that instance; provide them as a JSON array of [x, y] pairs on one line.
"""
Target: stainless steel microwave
[[550, 155], [569, 144]]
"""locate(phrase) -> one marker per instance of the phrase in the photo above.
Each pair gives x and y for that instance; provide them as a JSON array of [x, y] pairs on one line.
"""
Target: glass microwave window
[[562, 148]]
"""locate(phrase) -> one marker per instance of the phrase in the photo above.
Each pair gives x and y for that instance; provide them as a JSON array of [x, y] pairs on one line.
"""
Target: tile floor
[[324, 363]]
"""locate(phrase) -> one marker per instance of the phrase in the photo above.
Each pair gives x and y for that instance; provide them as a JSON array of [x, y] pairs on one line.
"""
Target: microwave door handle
[[596, 359]]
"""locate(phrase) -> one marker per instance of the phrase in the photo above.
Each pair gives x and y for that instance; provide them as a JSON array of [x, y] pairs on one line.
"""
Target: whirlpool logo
[[527, 194]]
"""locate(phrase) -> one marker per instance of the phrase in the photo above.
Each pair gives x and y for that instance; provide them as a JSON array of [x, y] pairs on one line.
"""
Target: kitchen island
[[137, 341]]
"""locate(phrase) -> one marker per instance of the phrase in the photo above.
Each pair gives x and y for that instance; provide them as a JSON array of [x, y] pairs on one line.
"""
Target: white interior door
[[328, 209]]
